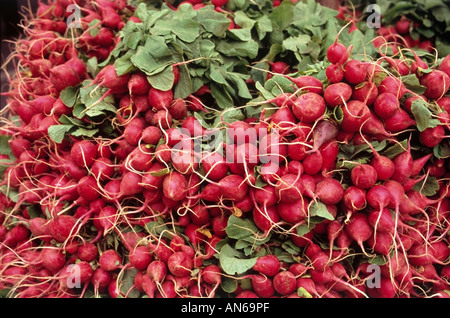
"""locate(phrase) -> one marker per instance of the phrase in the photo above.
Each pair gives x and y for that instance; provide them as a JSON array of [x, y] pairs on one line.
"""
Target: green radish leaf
[[423, 115], [233, 261], [428, 186], [442, 150], [69, 96], [58, 132], [320, 209], [239, 228], [163, 80], [127, 283]]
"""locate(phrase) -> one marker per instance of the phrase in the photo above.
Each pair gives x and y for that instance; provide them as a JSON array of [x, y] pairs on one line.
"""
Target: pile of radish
[[105, 191]]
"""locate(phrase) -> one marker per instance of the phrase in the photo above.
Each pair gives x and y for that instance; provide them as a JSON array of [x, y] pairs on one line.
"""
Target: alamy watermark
[[374, 19], [74, 19], [73, 272]]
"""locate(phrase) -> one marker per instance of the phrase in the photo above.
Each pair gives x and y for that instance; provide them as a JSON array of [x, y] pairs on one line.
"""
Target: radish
[[83, 153], [53, 259], [329, 191], [308, 83], [403, 165], [62, 227], [359, 229], [110, 260], [160, 100], [399, 122], [364, 176], [309, 107], [262, 286], [381, 220], [288, 188], [140, 257], [337, 94], [334, 73], [433, 136], [180, 264], [337, 53], [87, 252], [366, 92], [437, 84], [355, 71], [393, 85], [354, 114], [157, 271], [138, 84], [386, 105], [284, 282], [268, 265], [293, 212], [233, 187]]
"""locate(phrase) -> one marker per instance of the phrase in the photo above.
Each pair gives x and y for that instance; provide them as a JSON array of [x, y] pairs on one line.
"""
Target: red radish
[[400, 121], [337, 94], [84, 153], [366, 92], [110, 260], [378, 197], [382, 220], [233, 187], [178, 109], [313, 162], [403, 26], [133, 131], [157, 271], [140, 257], [87, 252], [308, 83], [279, 66], [354, 198], [437, 84], [160, 100], [364, 176], [151, 135], [393, 85], [433, 136], [445, 65], [386, 105], [268, 265], [266, 218], [309, 107], [354, 114], [162, 119], [293, 212], [180, 264], [138, 84], [288, 188], [130, 184], [359, 228], [355, 71], [63, 227], [88, 188], [329, 191], [53, 259], [284, 282], [262, 285], [108, 78], [403, 165], [334, 73], [337, 53]]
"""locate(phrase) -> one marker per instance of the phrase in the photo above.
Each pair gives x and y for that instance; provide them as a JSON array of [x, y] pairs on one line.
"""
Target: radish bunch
[[342, 174]]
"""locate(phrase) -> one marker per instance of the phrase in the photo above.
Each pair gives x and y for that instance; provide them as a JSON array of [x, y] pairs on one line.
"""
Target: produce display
[[227, 149]]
